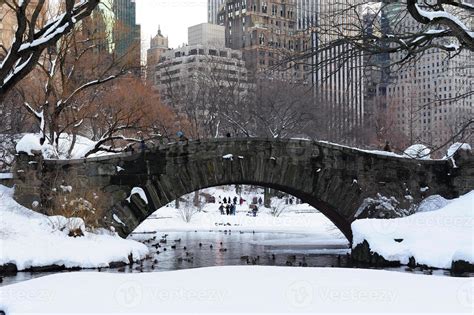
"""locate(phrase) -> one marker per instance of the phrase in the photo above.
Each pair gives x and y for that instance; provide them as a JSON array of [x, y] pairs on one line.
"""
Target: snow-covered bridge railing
[[343, 183]]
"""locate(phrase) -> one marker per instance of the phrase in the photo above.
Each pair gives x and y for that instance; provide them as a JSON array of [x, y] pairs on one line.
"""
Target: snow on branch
[[449, 20], [29, 42]]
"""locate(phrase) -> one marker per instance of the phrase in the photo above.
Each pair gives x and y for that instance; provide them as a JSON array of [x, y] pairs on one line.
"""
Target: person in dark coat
[[232, 209], [227, 209], [254, 211], [260, 200], [225, 200], [221, 209], [142, 145], [235, 200]]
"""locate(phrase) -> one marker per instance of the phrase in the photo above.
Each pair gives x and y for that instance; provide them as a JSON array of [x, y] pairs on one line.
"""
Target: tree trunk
[[267, 197], [196, 199]]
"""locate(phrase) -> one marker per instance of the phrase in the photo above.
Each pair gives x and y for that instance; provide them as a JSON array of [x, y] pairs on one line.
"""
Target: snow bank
[[31, 142], [240, 289], [433, 238], [418, 151], [29, 239]]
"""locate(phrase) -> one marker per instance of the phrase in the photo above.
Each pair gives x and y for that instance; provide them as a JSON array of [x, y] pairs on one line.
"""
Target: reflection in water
[[184, 250]]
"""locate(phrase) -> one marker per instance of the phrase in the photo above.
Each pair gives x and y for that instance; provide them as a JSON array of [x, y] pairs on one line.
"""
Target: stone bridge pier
[[343, 183]]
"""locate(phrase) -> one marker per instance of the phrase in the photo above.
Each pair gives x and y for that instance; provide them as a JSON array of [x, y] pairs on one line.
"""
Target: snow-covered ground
[[221, 290], [434, 238], [29, 239], [301, 218]]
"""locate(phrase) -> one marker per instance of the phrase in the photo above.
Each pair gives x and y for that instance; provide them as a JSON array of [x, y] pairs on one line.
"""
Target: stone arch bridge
[[342, 182]]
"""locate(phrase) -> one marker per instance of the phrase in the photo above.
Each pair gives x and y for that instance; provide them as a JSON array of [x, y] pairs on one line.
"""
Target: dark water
[[182, 250]]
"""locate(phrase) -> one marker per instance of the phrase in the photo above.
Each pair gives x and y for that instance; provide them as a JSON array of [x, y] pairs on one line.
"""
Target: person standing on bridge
[[142, 145], [182, 137]]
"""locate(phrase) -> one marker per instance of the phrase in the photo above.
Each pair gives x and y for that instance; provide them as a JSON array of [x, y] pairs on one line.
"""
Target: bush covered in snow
[[418, 151], [381, 207]]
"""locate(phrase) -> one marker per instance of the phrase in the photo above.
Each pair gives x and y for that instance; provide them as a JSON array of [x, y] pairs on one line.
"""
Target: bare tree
[[61, 86], [31, 39], [380, 27]]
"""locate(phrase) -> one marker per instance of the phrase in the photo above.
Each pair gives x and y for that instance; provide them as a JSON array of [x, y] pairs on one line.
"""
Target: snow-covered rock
[[432, 203], [453, 149], [140, 192], [30, 239], [433, 238], [29, 143], [418, 151]]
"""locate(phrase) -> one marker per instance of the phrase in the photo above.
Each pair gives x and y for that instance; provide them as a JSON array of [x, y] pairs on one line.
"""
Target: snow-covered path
[[241, 289]]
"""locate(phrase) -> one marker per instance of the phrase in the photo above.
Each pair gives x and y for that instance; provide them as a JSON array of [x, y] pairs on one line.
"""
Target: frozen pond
[[195, 249]]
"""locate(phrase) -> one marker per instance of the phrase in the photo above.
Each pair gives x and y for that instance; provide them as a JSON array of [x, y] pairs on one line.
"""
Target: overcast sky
[[174, 17]]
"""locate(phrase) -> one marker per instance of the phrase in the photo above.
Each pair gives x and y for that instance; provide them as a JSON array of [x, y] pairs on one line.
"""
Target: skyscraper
[[265, 32], [336, 72], [213, 8], [123, 34], [127, 32]]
